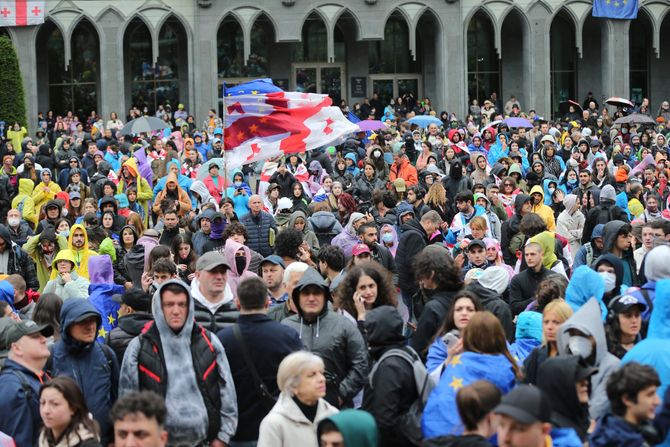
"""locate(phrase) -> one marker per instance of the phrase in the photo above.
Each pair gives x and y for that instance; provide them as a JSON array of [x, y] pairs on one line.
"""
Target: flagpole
[[223, 143]]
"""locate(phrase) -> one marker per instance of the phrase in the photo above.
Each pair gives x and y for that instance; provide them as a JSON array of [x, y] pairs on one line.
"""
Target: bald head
[[255, 204]]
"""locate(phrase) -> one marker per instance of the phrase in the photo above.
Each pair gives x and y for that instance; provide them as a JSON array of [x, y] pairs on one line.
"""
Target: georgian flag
[[265, 125], [21, 12]]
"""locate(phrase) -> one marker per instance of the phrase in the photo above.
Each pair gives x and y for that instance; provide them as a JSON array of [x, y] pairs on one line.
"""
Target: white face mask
[[580, 346], [13, 221], [609, 279]]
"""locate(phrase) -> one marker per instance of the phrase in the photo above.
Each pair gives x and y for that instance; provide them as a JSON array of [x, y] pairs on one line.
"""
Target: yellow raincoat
[[144, 191]]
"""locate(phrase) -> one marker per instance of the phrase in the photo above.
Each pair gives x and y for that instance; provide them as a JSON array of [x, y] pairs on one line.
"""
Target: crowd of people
[[462, 284]]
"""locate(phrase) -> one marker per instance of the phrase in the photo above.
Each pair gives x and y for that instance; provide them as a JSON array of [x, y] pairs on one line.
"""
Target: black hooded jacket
[[557, 377], [393, 387], [412, 240], [511, 227], [605, 212], [456, 182], [431, 318], [130, 326]]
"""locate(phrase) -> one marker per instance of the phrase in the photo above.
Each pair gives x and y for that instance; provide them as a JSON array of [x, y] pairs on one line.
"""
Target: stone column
[[24, 43]]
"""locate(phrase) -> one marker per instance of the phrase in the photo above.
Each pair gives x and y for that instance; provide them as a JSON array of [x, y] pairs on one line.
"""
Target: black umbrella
[[144, 124], [635, 118], [564, 107]]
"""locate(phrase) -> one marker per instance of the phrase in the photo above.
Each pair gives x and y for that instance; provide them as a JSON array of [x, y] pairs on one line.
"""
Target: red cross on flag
[[21, 12]]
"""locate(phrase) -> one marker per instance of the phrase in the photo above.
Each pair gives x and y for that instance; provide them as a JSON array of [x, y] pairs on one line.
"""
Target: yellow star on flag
[[111, 319], [616, 4], [456, 360], [102, 332], [254, 92], [456, 383], [253, 128]]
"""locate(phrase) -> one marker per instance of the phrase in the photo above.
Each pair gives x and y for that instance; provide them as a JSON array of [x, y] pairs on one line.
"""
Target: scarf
[[218, 225]]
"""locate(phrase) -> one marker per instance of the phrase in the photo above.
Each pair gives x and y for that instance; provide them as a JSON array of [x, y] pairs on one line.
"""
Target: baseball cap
[[135, 298], [595, 142], [623, 303], [75, 195], [526, 404], [477, 243], [210, 261], [400, 185], [359, 249], [274, 259], [14, 330]]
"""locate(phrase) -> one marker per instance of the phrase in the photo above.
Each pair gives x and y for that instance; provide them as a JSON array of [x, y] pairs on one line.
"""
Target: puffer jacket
[[92, 365], [364, 187], [258, 229], [130, 326], [333, 338], [225, 314]]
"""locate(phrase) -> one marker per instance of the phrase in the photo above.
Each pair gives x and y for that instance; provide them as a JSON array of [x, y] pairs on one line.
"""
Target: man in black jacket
[[522, 205], [524, 285], [440, 280], [134, 314], [213, 298], [266, 342], [606, 211], [367, 233], [415, 236], [392, 388]]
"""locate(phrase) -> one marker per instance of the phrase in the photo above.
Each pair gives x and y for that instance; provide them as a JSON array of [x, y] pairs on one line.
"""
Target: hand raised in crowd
[[359, 303], [66, 277]]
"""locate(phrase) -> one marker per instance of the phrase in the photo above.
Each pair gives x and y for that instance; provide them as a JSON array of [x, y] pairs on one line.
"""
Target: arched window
[[166, 82], [392, 54], [483, 62], [313, 47], [563, 68], [72, 88], [639, 42], [230, 49]]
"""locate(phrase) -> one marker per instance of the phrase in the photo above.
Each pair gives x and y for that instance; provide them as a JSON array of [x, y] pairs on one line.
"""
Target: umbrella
[[518, 122], [491, 124], [370, 125], [143, 124], [564, 107], [425, 120], [635, 118], [203, 171], [619, 102]]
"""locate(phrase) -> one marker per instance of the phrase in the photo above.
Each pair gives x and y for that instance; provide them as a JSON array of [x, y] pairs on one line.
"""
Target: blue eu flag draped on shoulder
[[615, 9]]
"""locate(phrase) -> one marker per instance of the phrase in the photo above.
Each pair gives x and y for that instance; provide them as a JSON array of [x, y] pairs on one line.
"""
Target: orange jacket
[[404, 171]]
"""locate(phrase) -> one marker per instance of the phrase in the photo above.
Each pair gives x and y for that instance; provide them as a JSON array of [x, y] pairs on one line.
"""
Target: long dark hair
[[386, 293], [47, 311], [448, 325], [179, 239], [75, 400]]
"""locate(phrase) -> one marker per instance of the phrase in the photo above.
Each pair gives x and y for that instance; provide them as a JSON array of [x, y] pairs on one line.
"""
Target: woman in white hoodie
[[294, 418], [570, 223]]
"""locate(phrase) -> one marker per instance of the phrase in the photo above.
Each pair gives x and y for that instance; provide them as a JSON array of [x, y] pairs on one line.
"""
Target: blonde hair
[[478, 223], [560, 308], [437, 195], [292, 367]]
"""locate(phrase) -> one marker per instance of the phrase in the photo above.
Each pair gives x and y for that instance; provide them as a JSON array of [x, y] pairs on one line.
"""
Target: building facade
[[110, 56]]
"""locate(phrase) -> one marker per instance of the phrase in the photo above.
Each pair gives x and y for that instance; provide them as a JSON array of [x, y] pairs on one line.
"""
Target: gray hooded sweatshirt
[[187, 421], [588, 320]]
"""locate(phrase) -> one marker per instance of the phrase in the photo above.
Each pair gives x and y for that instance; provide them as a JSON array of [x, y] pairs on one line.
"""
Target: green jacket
[[32, 247]]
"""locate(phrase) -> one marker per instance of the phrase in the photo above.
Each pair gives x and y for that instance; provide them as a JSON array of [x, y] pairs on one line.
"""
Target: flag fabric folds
[[21, 12], [440, 417], [263, 122], [615, 9]]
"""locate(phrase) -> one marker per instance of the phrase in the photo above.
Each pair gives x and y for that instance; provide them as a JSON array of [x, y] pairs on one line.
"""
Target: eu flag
[[440, 417], [257, 87], [615, 9], [100, 296]]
